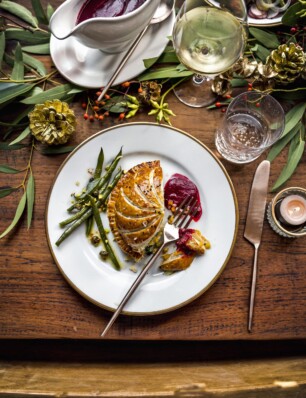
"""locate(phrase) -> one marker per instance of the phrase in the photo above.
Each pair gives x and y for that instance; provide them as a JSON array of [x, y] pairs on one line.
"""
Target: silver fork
[[181, 219]]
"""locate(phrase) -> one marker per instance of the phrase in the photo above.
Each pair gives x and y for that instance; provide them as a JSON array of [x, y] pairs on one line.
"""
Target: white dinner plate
[[178, 152], [92, 68]]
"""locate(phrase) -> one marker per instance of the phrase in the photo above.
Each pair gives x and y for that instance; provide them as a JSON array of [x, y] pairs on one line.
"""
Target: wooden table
[[37, 303]]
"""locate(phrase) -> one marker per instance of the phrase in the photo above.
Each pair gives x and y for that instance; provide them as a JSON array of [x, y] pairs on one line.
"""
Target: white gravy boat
[[111, 35]]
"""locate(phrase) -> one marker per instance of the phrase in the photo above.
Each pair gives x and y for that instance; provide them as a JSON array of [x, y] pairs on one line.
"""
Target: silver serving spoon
[[162, 12]]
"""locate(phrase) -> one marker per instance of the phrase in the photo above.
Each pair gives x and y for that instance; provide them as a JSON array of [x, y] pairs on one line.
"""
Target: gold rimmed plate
[[178, 152]]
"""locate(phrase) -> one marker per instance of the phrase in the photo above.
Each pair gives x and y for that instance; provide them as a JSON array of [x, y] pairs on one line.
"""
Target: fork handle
[[132, 289], [123, 62]]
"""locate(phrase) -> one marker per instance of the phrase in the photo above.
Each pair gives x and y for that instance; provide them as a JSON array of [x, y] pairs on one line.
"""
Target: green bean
[[97, 184], [89, 224], [86, 212], [103, 236], [99, 166]]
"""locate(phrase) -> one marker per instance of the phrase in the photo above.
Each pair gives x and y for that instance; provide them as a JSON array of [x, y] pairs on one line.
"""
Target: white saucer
[[91, 68]]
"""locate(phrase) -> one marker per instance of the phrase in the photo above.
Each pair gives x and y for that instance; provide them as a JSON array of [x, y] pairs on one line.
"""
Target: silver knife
[[254, 222]]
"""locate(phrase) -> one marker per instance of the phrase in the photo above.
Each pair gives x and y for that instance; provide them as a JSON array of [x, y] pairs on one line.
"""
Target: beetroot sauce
[[185, 235], [176, 190], [107, 8]]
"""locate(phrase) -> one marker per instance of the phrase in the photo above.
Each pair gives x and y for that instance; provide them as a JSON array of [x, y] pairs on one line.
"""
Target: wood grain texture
[[244, 379], [36, 302]]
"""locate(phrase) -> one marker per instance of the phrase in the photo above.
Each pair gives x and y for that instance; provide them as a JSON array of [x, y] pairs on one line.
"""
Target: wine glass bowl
[[208, 40]]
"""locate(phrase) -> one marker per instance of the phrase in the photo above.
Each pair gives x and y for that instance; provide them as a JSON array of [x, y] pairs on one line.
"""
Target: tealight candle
[[293, 209]]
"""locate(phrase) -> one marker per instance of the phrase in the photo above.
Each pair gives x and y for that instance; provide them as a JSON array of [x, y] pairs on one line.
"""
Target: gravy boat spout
[[110, 35]]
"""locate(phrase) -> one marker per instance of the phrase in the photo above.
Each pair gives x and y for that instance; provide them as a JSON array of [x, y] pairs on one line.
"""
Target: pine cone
[[150, 91], [288, 61], [52, 122]]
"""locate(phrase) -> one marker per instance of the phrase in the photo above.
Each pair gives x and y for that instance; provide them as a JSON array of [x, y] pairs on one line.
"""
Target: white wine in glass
[[208, 40]]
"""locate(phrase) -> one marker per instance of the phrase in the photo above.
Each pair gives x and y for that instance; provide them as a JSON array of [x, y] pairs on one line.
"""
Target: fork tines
[[187, 208]]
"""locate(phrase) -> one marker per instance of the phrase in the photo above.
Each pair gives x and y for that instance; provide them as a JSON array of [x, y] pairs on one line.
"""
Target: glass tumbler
[[253, 122]]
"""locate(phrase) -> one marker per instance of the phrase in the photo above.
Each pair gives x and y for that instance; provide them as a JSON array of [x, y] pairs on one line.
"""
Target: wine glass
[[208, 37]]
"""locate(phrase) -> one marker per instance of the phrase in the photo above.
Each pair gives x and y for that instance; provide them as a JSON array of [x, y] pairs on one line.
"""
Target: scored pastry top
[[136, 208]]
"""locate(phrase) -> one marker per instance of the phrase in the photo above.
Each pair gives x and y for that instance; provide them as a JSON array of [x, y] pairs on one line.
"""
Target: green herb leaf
[[10, 91], [268, 39], [293, 117], [25, 36], [53, 93], [2, 46], [22, 136], [50, 11], [35, 64], [18, 214], [57, 150], [6, 191], [290, 18], [8, 170], [281, 143], [19, 11], [30, 198], [237, 82], [16, 122], [40, 49], [7, 147], [39, 12], [164, 73], [298, 93], [262, 52], [166, 57], [295, 154], [18, 68]]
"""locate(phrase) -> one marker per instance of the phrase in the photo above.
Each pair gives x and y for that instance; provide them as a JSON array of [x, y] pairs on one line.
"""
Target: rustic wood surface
[[244, 379], [36, 302]]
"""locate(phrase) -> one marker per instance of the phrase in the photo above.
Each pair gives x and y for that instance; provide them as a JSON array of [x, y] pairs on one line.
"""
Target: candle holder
[[277, 219]]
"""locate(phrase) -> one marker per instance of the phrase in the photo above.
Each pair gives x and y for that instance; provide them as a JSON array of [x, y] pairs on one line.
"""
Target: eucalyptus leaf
[[293, 117], [238, 82], [57, 150], [268, 39], [296, 154], [10, 91], [19, 11], [6, 147], [25, 36], [76, 90], [290, 18], [18, 68], [34, 64], [164, 73], [2, 46], [50, 11], [21, 136], [21, 115], [40, 49], [30, 198], [18, 214], [53, 93], [281, 143], [6, 191], [8, 170], [262, 52], [39, 12], [166, 57]]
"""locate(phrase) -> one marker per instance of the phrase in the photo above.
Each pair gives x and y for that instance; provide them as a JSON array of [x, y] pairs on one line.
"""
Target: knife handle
[[253, 288]]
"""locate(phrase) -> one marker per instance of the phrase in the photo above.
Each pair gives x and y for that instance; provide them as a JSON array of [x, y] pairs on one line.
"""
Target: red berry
[[126, 84], [293, 30], [95, 108], [91, 118], [84, 105], [85, 116], [257, 104], [250, 85], [106, 113], [140, 90], [98, 93], [106, 96], [223, 110], [121, 116], [101, 117], [218, 104]]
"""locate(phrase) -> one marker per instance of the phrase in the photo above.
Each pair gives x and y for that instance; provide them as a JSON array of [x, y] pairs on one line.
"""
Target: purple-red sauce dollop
[[107, 8], [184, 236], [177, 188]]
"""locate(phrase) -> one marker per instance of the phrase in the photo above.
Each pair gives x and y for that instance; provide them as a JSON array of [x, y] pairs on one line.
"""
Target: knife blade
[[254, 222]]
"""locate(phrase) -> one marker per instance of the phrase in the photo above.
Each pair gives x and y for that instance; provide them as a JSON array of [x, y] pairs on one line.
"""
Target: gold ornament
[[52, 122], [288, 61]]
